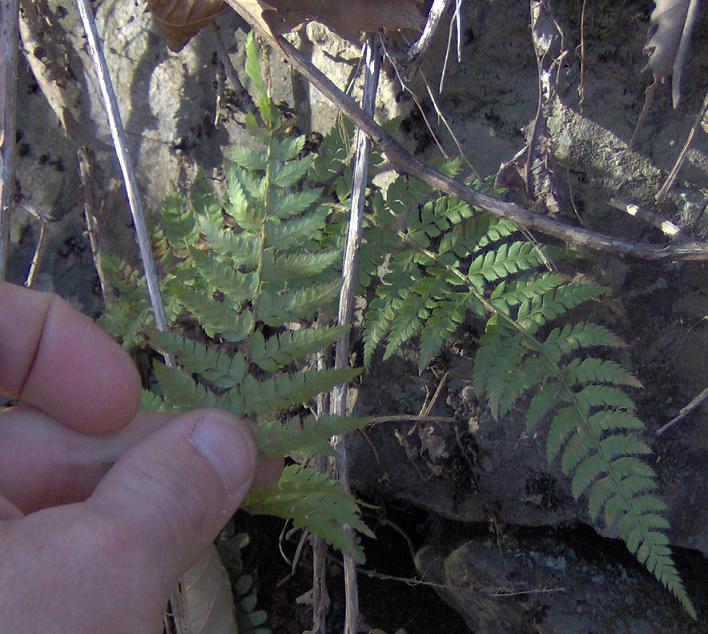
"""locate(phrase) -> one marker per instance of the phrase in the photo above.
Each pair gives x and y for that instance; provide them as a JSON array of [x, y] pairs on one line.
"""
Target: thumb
[[173, 492]]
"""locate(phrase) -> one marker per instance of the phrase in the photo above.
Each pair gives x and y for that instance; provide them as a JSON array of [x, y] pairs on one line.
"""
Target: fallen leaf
[[207, 593], [345, 17], [181, 20]]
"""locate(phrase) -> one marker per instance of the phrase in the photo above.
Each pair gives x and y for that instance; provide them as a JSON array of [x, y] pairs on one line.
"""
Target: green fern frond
[[239, 269], [291, 172], [525, 354], [294, 266], [310, 436], [253, 71], [279, 351], [178, 222], [151, 402], [277, 310], [280, 391], [508, 259], [217, 318], [288, 204], [236, 286], [410, 316], [548, 306], [130, 312], [239, 249], [444, 320], [286, 148], [570, 338], [333, 155], [180, 391], [594, 370], [299, 491], [292, 233], [217, 367]]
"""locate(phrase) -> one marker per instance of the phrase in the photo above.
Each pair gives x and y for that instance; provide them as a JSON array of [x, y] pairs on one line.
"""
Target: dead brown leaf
[[181, 20], [345, 17], [207, 593]]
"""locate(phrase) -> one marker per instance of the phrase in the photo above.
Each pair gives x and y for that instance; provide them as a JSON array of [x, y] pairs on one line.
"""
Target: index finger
[[59, 361]]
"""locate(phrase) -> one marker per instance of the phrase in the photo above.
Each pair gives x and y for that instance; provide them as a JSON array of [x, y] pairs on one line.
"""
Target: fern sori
[[243, 279], [455, 261]]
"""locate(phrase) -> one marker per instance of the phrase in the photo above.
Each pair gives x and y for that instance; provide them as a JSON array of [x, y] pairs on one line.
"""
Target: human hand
[[86, 547]]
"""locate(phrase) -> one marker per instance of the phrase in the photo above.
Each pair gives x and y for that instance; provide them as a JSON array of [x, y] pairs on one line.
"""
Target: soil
[[460, 535]]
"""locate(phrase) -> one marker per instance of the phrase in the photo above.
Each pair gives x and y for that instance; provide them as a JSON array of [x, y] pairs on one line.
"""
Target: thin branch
[[451, 132], [416, 101], [44, 219], [446, 59], [685, 411], [403, 161], [9, 21], [435, 15], [320, 594], [118, 134], [458, 26], [406, 418], [38, 254], [581, 88], [346, 306], [92, 209], [667, 228], [684, 152]]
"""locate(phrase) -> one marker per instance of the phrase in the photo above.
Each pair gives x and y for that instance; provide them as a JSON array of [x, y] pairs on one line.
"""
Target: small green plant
[[243, 279], [454, 262], [245, 275]]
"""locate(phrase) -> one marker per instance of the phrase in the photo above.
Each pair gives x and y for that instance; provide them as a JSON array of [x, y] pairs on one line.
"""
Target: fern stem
[[372, 66]]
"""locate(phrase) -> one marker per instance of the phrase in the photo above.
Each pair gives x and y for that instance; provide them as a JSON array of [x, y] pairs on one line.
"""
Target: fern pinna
[[454, 261], [245, 276]]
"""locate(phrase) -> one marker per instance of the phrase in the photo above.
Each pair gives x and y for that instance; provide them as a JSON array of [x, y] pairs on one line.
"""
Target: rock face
[[524, 581]]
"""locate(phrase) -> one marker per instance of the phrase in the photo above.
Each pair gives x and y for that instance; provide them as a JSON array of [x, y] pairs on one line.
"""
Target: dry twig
[[581, 87], [44, 220], [372, 67], [668, 183], [684, 412], [403, 161], [93, 208], [9, 18], [118, 135], [667, 227], [431, 26]]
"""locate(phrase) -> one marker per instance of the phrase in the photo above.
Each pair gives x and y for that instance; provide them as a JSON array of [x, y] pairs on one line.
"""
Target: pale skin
[[87, 547]]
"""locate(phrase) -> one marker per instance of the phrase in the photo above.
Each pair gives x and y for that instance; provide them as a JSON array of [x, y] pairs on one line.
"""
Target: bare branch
[[118, 134], [9, 17], [431, 26], [667, 228], [403, 161], [685, 411], [37, 258]]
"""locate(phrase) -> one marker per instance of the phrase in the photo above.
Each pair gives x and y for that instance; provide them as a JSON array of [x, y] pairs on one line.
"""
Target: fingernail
[[227, 445]]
